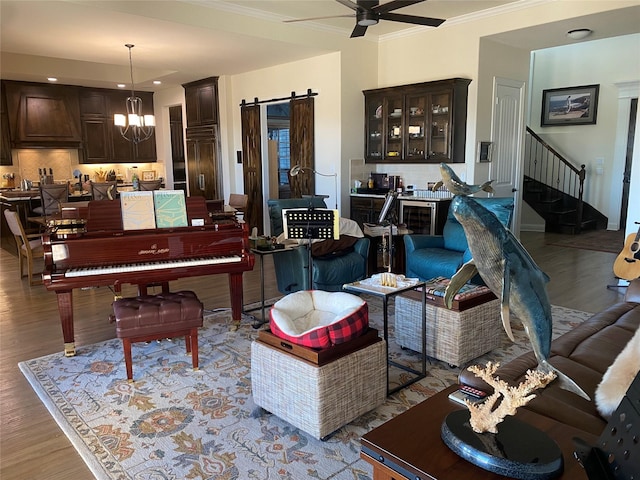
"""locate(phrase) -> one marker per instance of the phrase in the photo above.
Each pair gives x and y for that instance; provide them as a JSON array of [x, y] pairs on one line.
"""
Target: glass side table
[[385, 293]]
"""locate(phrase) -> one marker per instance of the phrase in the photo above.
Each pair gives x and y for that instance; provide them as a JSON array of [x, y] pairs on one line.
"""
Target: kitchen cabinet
[[417, 123], [43, 115], [366, 209], [204, 164], [102, 141], [5, 148], [201, 99]]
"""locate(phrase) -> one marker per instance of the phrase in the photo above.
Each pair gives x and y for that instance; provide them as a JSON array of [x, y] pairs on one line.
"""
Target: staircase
[[554, 187]]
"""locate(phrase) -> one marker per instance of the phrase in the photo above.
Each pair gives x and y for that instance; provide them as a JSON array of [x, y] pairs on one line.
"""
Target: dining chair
[[51, 197], [146, 185], [29, 246], [239, 202], [103, 190]]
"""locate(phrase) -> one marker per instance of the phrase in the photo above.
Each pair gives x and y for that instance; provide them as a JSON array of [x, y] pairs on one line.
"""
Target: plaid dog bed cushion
[[319, 319]]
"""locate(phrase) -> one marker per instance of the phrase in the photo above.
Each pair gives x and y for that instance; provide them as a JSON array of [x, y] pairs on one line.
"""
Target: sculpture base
[[518, 450]]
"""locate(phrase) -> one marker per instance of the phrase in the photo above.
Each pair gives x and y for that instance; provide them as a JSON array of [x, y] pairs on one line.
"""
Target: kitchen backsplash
[[63, 162]]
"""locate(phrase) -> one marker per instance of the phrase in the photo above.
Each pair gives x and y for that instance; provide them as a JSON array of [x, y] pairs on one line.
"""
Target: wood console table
[[409, 446]]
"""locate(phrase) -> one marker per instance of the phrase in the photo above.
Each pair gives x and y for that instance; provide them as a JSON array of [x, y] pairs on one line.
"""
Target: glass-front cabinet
[[418, 123]]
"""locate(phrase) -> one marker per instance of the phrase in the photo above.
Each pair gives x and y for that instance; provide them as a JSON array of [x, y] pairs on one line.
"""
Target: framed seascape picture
[[148, 175], [570, 106]]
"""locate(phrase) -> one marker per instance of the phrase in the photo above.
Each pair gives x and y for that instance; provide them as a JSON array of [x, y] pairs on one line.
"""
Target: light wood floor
[[32, 446]]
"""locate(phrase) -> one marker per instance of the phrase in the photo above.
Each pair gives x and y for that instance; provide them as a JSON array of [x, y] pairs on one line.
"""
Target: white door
[[507, 134]]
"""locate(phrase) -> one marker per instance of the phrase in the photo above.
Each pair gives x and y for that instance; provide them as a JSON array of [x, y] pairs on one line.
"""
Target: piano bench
[[154, 317]]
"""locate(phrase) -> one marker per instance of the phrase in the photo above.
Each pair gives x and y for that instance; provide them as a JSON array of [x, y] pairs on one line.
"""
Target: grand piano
[[90, 248]]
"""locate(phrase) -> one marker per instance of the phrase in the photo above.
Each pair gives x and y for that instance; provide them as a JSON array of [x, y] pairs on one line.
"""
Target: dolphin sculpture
[[512, 275], [457, 186]]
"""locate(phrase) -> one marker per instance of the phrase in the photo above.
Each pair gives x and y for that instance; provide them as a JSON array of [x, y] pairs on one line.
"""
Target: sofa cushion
[[319, 319]]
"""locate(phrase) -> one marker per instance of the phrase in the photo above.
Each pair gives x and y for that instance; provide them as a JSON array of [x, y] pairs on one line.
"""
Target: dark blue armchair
[[430, 256], [329, 274]]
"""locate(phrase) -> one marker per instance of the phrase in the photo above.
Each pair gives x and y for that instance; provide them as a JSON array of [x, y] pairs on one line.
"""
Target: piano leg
[[65, 309], [236, 293]]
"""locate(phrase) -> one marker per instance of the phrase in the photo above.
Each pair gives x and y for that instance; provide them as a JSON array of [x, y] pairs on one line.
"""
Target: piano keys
[[105, 254]]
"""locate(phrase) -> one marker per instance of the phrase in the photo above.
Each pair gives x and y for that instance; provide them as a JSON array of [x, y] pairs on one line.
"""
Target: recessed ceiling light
[[52, 79], [121, 85], [579, 33], [157, 82]]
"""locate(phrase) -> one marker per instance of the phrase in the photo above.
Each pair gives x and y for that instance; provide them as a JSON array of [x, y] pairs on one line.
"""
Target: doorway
[[177, 149], [279, 151], [626, 177]]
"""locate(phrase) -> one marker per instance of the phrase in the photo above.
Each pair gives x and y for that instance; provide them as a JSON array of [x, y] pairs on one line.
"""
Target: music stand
[[310, 224], [387, 217]]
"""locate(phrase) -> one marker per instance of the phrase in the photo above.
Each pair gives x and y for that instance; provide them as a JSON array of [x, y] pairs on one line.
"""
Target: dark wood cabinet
[[366, 209], [201, 98], [204, 167], [5, 149], [417, 123], [203, 164], [43, 115], [102, 141]]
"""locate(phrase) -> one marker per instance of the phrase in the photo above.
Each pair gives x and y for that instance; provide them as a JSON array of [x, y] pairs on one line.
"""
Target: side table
[[385, 293], [410, 447]]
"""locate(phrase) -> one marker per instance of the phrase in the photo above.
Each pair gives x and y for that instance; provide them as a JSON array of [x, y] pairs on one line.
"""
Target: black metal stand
[[310, 224]]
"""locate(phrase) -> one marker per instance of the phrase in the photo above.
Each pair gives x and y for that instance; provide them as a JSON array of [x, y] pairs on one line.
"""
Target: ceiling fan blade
[[351, 15], [348, 3], [394, 5], [398, 17], [359, 31]]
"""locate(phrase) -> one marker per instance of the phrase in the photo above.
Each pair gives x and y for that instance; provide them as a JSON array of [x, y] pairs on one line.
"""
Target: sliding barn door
[[252, 165], [301, 136]]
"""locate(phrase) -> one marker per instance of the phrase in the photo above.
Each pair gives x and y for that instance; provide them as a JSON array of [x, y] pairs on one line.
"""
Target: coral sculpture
[[486, 416]]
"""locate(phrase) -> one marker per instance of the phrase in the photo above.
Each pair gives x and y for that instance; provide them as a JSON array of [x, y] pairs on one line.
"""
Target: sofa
[[584, 354], [330, 271], [431, 256]]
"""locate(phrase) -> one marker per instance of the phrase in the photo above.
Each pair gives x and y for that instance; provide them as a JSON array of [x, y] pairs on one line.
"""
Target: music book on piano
[[138, 212], [171, 209]]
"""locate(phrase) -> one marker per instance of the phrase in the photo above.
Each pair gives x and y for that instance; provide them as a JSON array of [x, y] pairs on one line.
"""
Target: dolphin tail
[[437, 185], [564, 381], [486, 186]]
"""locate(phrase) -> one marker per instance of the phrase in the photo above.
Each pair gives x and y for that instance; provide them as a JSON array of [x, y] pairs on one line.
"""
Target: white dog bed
[[319, 319]]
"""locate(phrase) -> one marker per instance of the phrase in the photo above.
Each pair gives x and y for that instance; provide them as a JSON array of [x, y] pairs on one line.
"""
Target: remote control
[[474, 392]]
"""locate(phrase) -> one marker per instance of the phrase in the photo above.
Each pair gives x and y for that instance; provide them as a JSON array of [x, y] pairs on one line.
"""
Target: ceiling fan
[[370, 12]]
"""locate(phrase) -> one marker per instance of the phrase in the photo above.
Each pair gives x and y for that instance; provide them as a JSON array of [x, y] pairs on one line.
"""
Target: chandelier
[[134, 126]]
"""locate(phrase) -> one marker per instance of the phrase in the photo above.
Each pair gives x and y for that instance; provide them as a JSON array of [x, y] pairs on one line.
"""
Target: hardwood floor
[[32, 446]]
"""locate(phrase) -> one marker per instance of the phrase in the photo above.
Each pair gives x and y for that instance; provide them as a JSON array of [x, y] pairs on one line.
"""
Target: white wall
[[162, 100], [604, 62]]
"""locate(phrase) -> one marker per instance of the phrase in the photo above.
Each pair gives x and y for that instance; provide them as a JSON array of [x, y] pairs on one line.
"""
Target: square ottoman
[[318, 399], [472, 328]]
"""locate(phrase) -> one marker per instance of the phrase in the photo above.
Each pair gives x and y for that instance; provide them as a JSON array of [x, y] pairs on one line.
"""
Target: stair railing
[[546, 165]]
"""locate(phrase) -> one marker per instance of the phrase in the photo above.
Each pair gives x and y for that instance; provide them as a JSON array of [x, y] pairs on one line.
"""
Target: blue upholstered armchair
[[430, 256], [328, 273]]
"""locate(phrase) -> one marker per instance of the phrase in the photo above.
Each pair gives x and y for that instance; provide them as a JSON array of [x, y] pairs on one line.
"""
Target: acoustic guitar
[[627, 265]]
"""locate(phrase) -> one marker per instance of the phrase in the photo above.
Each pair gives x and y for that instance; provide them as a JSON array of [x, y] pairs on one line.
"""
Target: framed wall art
[[148, 175], [570, 106]]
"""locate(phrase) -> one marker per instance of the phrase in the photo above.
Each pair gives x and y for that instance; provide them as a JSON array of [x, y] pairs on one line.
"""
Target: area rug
[[598, 240], [176, 423]]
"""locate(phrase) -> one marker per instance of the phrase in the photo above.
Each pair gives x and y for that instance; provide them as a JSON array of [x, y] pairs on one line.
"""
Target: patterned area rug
[[174, 423]]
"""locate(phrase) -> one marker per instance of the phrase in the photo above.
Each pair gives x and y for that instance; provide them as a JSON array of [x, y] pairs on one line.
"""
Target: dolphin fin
[[437, 185], [486, 186], [504, 303], [564, 381], [462, 276]]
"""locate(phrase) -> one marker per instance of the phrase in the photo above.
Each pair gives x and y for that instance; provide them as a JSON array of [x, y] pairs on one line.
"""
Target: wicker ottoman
[[318, 399], [453, 336], [153, 317]]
